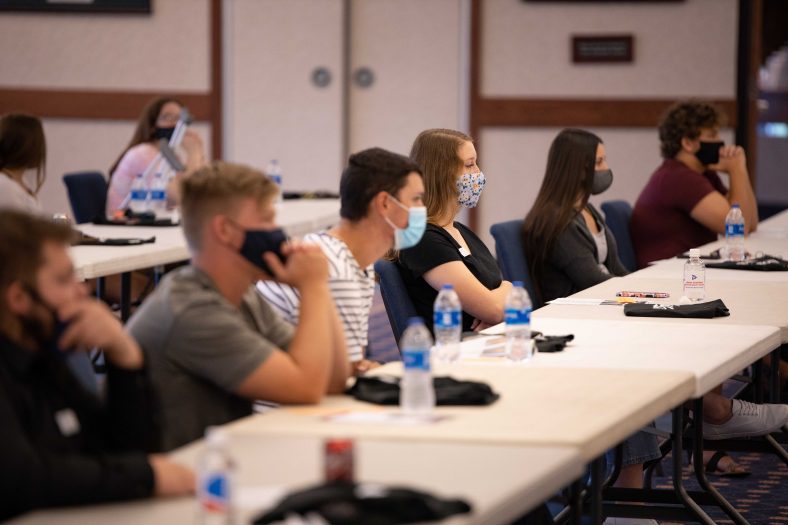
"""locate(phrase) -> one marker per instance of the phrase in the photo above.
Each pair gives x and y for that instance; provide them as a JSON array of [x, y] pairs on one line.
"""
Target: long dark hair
[[568, 176], [22, 145], [146, 126]]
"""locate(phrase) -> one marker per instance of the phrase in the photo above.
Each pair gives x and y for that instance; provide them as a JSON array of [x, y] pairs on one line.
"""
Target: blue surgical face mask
[[410, 235], [470, 186]]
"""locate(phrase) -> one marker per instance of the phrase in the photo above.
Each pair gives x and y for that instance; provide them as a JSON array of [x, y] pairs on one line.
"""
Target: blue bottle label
[[447, 319], [158, 195], [734, 229], [215, 493], [416, 360], [516, 316], [139, 194]]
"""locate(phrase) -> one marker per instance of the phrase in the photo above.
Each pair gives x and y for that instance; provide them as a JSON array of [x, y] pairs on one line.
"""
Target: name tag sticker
[[464, 251], [67, 422]]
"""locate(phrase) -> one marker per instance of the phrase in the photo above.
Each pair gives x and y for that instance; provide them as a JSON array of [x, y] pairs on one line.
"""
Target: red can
[[339, 460]]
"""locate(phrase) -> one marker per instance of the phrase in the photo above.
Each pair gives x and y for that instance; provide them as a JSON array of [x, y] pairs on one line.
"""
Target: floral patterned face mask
[[470, 186]]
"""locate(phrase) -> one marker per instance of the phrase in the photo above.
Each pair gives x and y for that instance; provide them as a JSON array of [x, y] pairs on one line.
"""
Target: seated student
[[157, 121], [213, 344], [684, 204], [59, 445], [379, 192], [569, 248], [22, 148], [450, 253]]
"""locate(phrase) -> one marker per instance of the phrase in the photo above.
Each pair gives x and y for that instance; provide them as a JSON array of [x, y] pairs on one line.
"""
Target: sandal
[[732, 470]]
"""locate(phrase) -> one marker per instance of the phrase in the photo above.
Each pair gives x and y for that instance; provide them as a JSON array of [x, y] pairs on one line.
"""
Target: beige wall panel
[[681, 49], [167, 51]]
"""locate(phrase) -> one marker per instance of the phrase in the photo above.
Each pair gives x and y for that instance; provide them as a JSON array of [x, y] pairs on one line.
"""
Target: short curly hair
[[685, 119]]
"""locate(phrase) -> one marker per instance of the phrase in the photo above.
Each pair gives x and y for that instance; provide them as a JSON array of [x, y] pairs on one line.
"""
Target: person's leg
[[716, 408]]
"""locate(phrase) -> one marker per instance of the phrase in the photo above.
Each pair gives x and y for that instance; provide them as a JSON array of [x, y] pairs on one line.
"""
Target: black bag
[[706, 310], [342, 503], [384, 390], [766, 263]]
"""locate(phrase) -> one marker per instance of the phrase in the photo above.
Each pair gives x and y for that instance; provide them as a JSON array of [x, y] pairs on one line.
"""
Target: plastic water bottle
[[417, 393], [216, 471], [138, 203], [158, 195], [694, 277], [517, 315], [734, 234], [447, 324], [274, 172]]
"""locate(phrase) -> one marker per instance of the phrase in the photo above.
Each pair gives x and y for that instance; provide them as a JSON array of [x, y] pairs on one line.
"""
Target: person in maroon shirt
[[684, 204]]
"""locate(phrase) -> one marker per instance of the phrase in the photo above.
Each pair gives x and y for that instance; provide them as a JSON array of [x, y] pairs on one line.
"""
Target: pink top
[[134, 162]]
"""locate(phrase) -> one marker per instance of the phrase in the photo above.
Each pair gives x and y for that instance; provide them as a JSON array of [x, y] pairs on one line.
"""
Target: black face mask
[[257, 242], [163, 133], [602, 181], [46, 336], [709, 152]]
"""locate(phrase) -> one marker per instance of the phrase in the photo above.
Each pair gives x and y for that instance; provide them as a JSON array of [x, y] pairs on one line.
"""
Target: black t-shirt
[[439, 247]]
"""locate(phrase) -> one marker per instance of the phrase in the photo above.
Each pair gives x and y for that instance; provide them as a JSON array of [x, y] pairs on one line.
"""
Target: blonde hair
[[436, 151], [216, 189]]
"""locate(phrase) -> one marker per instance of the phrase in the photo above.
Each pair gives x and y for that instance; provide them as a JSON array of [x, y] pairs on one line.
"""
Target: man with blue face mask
[[381, 208]]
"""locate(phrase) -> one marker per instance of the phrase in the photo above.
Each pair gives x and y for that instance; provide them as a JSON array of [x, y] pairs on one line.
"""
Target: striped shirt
[[351, 287]]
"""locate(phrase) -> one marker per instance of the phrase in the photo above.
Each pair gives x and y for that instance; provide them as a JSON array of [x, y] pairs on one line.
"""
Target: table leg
[[125, 296], [774, 391], [757, 381], [597, 480], [576, 502], [678, 455], [700, 467]]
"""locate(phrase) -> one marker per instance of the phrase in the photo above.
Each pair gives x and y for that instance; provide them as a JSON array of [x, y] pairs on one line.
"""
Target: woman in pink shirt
[[157, 121]]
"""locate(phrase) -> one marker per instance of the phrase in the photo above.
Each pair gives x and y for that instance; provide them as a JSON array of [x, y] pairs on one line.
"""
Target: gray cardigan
[[572, 266]]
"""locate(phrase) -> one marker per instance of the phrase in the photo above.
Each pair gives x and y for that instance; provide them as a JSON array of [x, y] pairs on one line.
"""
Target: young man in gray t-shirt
[[213, 345]]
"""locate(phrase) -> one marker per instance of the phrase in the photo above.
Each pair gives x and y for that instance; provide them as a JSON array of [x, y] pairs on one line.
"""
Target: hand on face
[[732, 159], [305, 265]]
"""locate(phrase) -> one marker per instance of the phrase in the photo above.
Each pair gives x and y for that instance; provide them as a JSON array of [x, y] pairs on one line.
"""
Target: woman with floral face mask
[[449, 252]]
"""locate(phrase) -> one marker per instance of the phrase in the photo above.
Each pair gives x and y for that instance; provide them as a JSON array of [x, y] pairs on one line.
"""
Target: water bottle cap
[[517, 284], [415, 321], [694, 252], [735, 205], [447, 287]]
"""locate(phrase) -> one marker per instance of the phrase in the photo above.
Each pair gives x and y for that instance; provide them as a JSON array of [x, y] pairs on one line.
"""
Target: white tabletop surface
[[592, 411], [750, 302], [710, 353], [500, 482], [297, 217], [775, 225]]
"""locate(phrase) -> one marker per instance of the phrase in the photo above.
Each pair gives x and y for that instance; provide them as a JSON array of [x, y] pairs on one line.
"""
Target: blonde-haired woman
[[449, 252]]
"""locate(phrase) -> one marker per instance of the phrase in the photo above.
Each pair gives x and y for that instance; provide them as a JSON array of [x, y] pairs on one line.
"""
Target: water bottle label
[[139, 194], [158, 195], [416, 359], [732, 229], [277, 179], [447, 319], [517, 316], [215, 494]]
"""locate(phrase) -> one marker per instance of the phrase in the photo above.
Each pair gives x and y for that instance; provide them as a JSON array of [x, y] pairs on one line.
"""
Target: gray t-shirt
[[199, 348]]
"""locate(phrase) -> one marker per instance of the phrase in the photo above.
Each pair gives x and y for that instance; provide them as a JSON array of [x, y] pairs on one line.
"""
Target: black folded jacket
[[342, 503], [706, 310], [448, 391], [767, 263]]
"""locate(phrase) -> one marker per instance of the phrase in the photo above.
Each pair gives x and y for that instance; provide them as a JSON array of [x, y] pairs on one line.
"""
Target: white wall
[[526, 53], [166, 51]]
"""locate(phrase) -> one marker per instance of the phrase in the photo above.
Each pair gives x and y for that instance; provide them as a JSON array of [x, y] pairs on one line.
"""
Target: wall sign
[[603, 49], [78, 6]]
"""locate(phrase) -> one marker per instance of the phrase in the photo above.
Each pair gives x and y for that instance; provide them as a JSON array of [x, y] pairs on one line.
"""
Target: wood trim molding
[[534, 112], [86, 104], [217, 79]]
